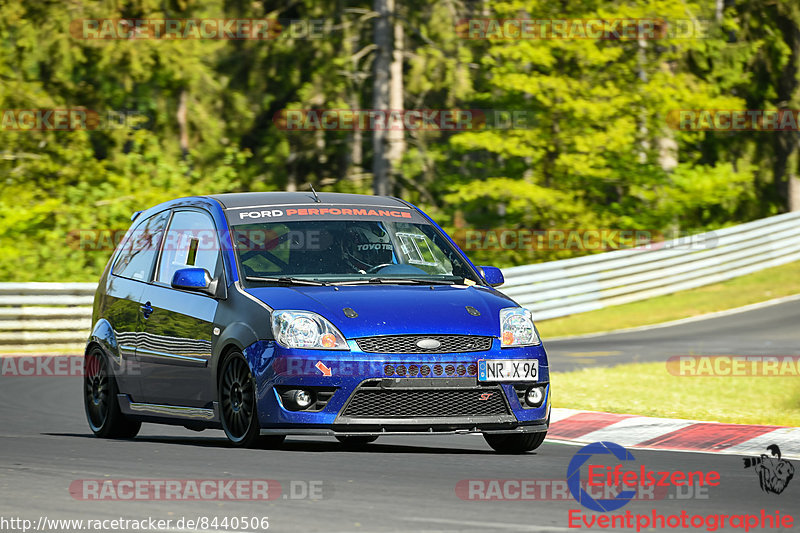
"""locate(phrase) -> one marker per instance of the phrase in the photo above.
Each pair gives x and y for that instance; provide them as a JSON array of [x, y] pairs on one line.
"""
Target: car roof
[[257, 199]]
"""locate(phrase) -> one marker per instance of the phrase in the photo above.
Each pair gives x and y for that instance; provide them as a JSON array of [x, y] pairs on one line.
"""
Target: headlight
[[516, 328], [304, 329]]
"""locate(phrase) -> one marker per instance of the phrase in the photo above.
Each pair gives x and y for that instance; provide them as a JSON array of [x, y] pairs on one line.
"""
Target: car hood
[[395, 309]]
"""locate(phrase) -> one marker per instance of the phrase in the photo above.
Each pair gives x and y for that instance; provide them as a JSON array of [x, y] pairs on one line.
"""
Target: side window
[[191, 241], [135, 261]]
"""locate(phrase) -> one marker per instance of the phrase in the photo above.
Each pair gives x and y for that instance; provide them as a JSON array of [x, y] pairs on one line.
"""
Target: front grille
[[412, 403], [408, 344], [424, 370]]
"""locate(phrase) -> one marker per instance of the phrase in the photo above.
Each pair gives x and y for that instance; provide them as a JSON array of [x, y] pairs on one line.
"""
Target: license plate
[[508, 370]]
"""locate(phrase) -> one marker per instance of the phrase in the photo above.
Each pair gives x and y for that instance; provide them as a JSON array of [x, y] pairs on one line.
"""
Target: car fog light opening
[[302, 399], [535, 396], [297, 399]]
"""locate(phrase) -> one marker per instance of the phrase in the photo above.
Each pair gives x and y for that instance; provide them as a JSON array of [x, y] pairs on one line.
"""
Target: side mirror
[[492, 275], [194, 279]]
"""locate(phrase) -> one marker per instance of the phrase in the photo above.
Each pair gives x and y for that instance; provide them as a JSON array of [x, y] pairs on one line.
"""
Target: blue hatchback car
[[274, 314]]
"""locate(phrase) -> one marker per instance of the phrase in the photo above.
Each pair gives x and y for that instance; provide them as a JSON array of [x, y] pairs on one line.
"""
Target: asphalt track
[[770, 330], [395, 484]]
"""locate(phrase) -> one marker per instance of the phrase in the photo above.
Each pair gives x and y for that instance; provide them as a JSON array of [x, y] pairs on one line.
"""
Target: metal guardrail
[[53, 317], [586, 283], [45, 317]]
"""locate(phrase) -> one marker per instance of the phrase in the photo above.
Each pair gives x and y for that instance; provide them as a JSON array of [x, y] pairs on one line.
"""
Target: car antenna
[[316, 198]]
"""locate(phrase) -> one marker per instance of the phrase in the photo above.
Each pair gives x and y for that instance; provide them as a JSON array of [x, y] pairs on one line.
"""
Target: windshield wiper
[[389, 281], [429, 281], [288, 279]]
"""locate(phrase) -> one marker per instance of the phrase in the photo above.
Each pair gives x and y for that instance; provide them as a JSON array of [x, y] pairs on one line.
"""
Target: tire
[[100, 400], [237, 400], [513, 444], [357, 441]]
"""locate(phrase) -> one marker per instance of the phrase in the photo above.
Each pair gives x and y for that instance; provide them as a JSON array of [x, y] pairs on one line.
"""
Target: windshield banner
[[285, 213]]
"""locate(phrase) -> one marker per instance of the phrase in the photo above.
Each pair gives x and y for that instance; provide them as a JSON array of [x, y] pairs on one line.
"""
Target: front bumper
[[366, 396], [344, 431]]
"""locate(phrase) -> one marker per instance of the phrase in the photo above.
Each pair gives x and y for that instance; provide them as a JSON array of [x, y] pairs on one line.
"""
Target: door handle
[[147, 309]]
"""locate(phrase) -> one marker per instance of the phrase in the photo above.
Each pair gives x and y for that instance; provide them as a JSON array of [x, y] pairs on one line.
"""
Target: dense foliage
[[598, 153]]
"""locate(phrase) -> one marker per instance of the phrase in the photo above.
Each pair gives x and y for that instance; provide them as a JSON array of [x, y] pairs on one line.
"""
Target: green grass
[[775, 282], [649, 389]]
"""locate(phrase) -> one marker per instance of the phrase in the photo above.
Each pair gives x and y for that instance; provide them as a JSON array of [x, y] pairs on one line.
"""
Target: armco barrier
[[45, 317], [570, 286], [55, 317]]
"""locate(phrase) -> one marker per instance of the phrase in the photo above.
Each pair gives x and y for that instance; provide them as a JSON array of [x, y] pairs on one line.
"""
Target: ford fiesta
[[274, 314]]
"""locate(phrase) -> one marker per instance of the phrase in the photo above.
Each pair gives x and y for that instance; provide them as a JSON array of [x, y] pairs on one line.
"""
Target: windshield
[[347, 251]]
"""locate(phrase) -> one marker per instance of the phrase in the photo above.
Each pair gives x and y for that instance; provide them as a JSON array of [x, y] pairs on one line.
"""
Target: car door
[[130, 274], [175, 349]]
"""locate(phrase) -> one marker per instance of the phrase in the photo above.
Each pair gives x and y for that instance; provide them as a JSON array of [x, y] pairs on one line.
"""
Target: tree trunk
[[794, 188], [291, 167], [396, 136], [785, 144], [641, 73], [182, 126], [381, 92], [354, 159], [356, 152]]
